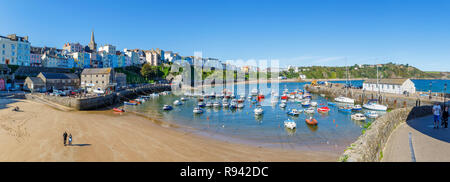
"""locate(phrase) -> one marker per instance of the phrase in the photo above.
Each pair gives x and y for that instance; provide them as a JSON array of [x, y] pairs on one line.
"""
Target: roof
[[399, 81], [95, 71], [36, 80], [59, 75]]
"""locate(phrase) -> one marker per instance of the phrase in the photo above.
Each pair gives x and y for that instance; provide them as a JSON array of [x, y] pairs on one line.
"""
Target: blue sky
[[309, 32]]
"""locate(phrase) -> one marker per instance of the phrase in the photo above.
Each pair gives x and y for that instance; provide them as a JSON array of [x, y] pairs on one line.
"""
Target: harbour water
[[335, 131]]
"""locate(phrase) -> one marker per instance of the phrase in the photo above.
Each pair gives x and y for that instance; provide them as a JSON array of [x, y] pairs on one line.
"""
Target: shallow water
[[335, 130]]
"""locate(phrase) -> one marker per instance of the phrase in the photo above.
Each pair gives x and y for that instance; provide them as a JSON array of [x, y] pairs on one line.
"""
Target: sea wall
[[369, 146], [92, 103]]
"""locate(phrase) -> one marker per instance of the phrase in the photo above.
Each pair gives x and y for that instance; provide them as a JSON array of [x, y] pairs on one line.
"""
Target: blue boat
[[294, 112], [357, 108], [345, 109], [130, 103], [201, 104], [331, 104], [167, 108]]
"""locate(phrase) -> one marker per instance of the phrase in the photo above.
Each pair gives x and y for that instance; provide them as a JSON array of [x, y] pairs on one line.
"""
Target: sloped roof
[[95, 71], [399, 81], [36, 80], [60, 75]]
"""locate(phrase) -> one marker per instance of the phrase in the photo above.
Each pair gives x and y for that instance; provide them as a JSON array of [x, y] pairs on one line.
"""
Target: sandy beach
[[35, 134]]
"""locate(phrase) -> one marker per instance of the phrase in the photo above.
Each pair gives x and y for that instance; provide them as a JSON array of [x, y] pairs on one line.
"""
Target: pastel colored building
[[73, 47], [81, 59], [15, 50]]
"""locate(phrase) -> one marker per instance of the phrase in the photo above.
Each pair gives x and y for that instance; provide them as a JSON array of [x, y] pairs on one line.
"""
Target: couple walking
[[438, 113], [65, 138]]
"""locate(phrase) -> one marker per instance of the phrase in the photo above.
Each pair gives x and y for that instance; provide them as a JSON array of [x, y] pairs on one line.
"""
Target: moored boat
[[373, 105], [118, 110], [358, 117], [167, 107], [197, 110], [344, 100], [290, 124], [323, 109], [294, 112], [311, 121]]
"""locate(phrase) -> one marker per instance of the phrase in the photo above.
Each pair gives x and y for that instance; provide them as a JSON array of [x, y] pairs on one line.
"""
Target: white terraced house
[[395, 86]]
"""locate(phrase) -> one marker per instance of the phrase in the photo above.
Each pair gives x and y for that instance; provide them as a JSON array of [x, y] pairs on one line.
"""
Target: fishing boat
[[177, 103], [283, 105], [118, 110], [306, 95], [240, 100], [208, 104], [314, 104], [357, 108], [323, 109], [358, 117], [258, 110], [201, 104], [310, 111], [311, 121], [294, 112], [197, 110], [240, 105], [290, 124], [372, 114], [344, 100], [306, 103], [167, 107], [183, 99], [373, 105]]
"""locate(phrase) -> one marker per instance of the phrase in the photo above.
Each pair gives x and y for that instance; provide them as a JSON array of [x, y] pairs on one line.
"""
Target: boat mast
[[378, 86]]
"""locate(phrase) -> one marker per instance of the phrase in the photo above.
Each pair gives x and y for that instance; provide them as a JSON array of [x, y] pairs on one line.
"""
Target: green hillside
[[388, 70]]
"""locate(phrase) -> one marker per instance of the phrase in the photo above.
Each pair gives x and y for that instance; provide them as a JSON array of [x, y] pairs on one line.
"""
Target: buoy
[[207, 118], [336, 125]]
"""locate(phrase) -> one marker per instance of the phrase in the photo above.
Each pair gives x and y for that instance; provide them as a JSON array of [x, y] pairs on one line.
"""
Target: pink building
[[35, 60]]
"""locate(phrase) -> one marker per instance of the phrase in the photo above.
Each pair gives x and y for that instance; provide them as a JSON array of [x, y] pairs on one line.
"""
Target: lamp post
[[430, 90]]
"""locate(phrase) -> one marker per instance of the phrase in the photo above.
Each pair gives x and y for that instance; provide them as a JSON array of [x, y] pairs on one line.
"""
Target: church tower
[[92, 45]]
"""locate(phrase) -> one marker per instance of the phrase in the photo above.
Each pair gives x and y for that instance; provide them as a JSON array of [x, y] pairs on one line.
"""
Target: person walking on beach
[[65, 138], [445, 117], [436, 114], [70, 139]]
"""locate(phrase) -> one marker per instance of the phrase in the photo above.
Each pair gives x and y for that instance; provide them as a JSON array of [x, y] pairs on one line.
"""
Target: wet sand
[[35, 134]]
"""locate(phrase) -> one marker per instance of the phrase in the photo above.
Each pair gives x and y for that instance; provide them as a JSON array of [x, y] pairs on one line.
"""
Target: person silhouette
[[65, 137], [70, 139]]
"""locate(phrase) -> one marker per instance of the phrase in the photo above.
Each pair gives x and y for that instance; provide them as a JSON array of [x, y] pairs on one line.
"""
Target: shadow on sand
[[79, 145]]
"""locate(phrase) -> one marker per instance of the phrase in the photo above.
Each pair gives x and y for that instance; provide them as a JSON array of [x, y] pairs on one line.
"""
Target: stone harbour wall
[[98, 102], [369, 146]]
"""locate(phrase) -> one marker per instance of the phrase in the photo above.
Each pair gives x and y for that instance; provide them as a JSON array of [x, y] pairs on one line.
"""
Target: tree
[[148, 71]]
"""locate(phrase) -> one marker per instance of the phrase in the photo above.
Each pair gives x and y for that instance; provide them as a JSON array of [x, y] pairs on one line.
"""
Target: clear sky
[[309, 32]]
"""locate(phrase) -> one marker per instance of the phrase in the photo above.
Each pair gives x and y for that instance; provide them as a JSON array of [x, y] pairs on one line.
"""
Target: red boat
[[311, 121], [323, 109], [118, 110], [284, 97], [260, 96]]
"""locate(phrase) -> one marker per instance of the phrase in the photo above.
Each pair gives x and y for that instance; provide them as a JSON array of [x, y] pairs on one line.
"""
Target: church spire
[[92, 45]]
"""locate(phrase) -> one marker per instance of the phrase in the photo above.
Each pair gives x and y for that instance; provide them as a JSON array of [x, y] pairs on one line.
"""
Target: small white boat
[[177, 103], [344, 100], [294, 112], [310, 110], [358, 117], [225, 104], [314, 104], [208, 104], [372, 114], [259, 110], [254, 91], [201, 104], [306, 103], [217, 104], [323, 95], [290, 124], [373, 105], [197, 110], [283, 104], [183, 99], [240, 105], [357, 108], [298, 100]]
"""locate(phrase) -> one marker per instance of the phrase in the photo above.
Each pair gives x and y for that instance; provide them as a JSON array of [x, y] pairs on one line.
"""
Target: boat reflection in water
[[312, 128], [290, 132], [259, 118]]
